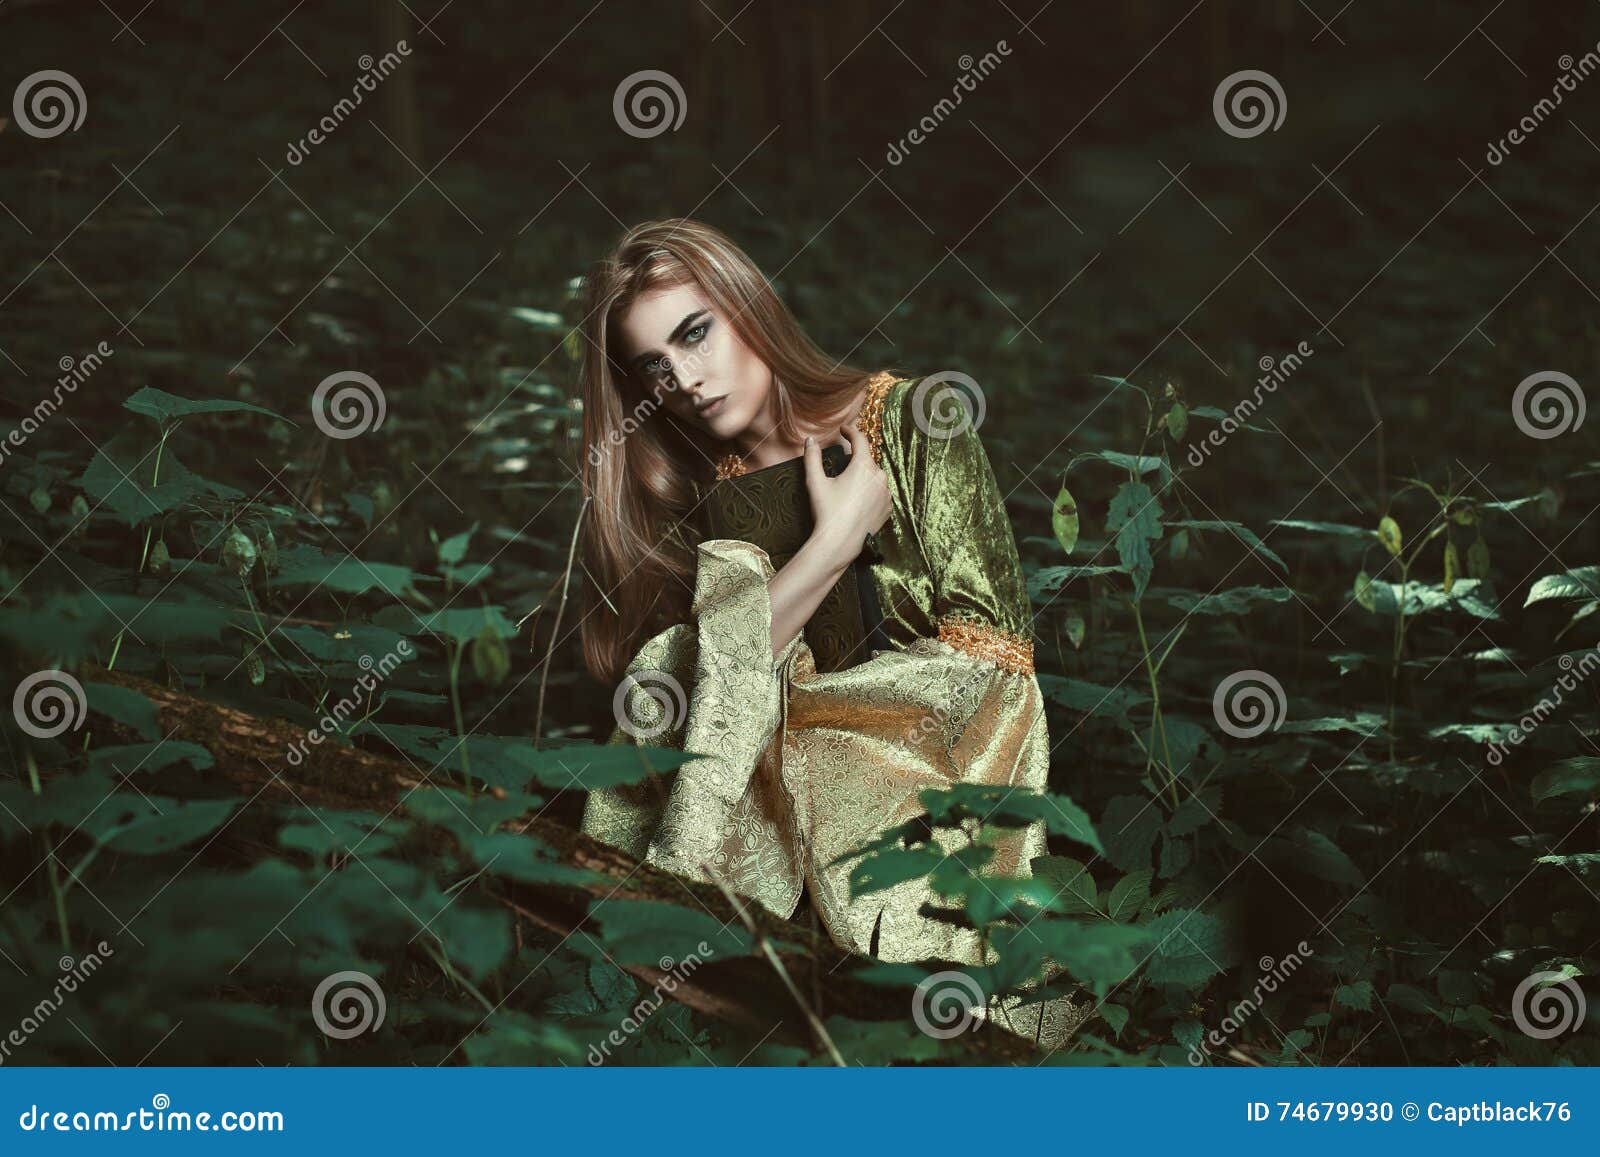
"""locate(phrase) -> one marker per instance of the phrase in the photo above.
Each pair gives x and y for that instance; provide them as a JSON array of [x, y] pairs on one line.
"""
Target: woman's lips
[[713, 407]]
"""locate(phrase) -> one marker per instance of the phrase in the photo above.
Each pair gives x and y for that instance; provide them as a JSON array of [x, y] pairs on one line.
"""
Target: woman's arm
[[845, 510]]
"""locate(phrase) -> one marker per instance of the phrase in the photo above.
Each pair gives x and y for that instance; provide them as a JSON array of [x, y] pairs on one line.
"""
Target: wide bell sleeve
[[711, 687], [958, 704]]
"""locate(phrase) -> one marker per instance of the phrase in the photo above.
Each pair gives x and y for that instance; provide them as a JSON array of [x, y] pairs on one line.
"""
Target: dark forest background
[[1403, 544]]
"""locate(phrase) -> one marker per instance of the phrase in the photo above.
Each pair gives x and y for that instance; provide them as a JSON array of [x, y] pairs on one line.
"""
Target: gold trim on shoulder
[[1005, 649], [870, 416]]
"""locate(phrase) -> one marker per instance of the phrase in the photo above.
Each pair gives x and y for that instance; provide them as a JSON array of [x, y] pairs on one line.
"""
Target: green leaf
[[891, 866], [453, 549], [1008, 806], [127, 707], [178, 824], [1464, 596], [337, 830], [1129, 827], [476, 940], [1237, 601], [1135, 518], [1064, 520], [1114, 1015], [307, 566], [463, 624], [1580, 582], [1216, 414], [1070, 881], [1046, 581], [1314, 853], [1240, 531], [1579, 775], [1129, 895], [646, 932], [134, 481], [1107, 702], [164, 407], [1337, 529], [144, 758], [1190, 948], [1177, 421], [1389, 535], [1357, 995]]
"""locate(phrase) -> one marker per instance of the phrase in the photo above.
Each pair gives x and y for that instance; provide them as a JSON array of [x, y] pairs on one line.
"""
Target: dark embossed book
[[771, 508]]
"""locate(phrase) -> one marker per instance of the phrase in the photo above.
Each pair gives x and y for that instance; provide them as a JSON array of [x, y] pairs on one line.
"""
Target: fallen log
[[782, 992]]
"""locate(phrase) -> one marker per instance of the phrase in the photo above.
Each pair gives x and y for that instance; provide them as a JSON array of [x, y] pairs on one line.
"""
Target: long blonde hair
[[639, 474]]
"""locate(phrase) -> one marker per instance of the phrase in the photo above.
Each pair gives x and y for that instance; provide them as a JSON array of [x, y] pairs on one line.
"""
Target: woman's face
[[683, 351]]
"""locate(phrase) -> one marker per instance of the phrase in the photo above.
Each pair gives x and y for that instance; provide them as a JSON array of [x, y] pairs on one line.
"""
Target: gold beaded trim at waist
[[1005, 649]]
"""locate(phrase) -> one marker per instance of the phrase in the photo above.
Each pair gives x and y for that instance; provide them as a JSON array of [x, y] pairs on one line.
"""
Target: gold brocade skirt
[[798, 767]]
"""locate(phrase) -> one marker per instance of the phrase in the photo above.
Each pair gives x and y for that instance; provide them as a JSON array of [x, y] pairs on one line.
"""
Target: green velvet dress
[[915, 672]]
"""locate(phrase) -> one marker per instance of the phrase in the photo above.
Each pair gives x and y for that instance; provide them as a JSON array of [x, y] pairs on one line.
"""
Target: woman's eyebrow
[[677, 331]]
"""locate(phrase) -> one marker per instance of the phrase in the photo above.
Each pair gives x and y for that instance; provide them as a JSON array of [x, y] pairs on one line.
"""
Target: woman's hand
[[848, 507]]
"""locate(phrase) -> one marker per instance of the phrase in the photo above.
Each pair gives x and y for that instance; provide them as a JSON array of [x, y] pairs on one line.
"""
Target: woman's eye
[[699, 329]]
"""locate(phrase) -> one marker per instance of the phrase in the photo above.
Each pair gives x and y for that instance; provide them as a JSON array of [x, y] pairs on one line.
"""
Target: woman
[[701, 394]]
